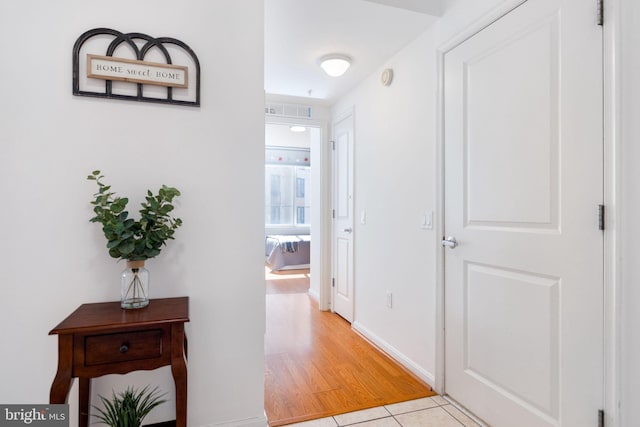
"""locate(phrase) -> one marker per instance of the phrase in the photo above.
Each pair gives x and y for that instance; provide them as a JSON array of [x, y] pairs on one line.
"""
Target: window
[[300, 187], [276, 198], [287, 187]]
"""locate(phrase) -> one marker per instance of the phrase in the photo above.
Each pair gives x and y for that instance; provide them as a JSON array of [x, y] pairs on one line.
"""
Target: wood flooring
[[317, 366]]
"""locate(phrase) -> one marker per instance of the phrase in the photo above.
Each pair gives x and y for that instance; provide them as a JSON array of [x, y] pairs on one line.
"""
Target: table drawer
[[122, 347]]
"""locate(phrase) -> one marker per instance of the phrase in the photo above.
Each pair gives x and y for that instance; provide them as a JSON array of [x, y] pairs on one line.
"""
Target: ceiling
[[299, 32]]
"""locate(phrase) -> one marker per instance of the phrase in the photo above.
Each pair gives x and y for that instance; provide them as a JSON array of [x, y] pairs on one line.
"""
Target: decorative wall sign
[[135, 66], [129, 70]]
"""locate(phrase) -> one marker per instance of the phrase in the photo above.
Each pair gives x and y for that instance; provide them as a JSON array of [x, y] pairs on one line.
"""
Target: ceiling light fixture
[[297, 128], [335, 64]]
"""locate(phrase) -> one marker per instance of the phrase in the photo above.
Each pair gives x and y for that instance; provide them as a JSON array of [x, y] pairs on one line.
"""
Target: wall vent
[[288, 110]]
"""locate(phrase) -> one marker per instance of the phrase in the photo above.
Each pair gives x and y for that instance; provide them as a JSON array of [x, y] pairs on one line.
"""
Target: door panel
[[518, 358], [521, 133], [343, 172], [523, 179], [343, 269]]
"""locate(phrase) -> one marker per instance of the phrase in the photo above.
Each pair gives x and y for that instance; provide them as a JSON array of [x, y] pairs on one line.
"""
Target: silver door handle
[[450, 242], [348, 230]]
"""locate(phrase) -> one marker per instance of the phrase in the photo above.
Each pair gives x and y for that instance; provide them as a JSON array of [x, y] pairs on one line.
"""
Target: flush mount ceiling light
[[334, 64], [297, 128]]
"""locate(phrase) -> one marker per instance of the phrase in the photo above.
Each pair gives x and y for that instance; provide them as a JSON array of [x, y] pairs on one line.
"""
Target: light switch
[[427, 221]]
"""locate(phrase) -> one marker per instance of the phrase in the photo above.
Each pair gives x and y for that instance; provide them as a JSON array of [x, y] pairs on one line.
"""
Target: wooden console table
[[102, 338]]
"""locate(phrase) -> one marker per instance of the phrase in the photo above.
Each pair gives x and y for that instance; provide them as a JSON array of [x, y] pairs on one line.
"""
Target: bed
[[287, 252]]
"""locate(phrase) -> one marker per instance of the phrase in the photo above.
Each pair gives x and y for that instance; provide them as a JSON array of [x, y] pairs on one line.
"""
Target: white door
[[343, 217], [523, 181]]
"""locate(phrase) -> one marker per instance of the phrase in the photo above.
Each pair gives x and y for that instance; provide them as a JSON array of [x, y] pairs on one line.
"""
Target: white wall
[[394, 185], [281, 136], [53, 259], [319, 254]]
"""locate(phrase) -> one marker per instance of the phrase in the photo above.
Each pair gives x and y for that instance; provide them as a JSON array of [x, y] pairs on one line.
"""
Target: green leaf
[[126, 248], [115, 253], [153, 253]]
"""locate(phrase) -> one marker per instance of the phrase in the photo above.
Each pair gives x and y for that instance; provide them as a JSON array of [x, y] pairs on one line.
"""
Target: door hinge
[[600, 6], [600, 217], [333, 145], [333, 283], [333, 213], [600, 418]]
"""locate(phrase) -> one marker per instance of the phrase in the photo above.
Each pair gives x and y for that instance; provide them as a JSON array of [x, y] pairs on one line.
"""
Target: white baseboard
[[248, 422], [314, 294], [392, 352]]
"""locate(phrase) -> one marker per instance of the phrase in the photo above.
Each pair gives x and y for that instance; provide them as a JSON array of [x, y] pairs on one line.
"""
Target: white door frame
[[612, 198], [320, 212], [612, 281]]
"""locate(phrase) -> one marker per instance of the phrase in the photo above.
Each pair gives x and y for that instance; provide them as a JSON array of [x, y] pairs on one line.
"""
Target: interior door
[[523, 251], [343, 163]]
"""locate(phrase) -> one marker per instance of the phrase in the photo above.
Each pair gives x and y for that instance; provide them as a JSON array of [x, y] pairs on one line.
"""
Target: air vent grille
[[288, 110]]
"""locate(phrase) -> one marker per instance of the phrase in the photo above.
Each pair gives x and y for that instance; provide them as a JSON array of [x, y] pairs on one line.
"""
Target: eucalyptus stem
[[136, 286]]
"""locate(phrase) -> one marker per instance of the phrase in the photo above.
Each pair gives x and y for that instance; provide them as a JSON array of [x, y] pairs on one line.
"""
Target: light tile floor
[[428, 412]]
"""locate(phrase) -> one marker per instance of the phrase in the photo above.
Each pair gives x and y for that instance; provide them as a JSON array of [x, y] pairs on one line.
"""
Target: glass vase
[[134, 286]]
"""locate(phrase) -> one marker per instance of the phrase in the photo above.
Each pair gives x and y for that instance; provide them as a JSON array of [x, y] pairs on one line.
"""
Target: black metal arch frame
[[129, 38]]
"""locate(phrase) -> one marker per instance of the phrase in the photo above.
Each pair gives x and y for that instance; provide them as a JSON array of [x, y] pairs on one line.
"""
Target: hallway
[[316, 366]]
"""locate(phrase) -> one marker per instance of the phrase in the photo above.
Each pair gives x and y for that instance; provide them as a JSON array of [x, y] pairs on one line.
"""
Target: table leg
[[179, 371], [83, 404], [62, 382]]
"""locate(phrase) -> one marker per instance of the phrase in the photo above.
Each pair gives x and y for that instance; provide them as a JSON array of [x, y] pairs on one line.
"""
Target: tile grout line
[[426, 409], [454, 417], [464, 412], [438, 405], [372, 419]]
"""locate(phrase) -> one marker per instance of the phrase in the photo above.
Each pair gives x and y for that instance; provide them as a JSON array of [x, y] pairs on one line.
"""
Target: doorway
[[302, 157]]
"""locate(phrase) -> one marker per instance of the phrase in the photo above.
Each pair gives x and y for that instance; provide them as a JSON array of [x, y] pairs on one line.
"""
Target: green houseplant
[[128, 408], [134, 240]]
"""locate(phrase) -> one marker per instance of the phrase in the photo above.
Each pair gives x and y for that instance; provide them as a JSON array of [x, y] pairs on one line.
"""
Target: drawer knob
[[124, 348]]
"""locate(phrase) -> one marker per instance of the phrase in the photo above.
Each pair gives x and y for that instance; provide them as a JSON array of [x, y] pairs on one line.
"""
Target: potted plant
[[134, 240], [128, 408]]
